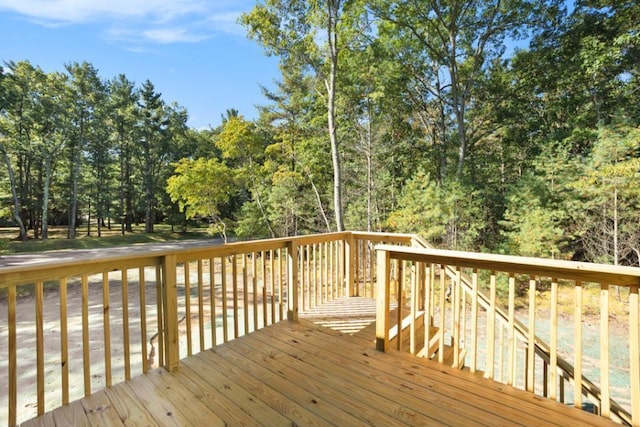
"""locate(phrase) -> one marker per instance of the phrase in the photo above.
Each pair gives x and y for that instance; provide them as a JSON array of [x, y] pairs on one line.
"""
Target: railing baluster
[[455, 316], [314, 267], [143, 320], [499, 377], [511, 356], [634, 354], [340, 267], [442, 315], [85, 336], [125, 324], [325, 273], [160, 316], [200, 304], [605, 408], [545, 378], [531, 338], [64, 343], [272, 286], [13, 361], [473, 364], [553, 341], [491, 327], [225, 321], [265, 311], [400, 296], [463, 324], [577, 346], [254, 267], [304, 291], [187, 306], [414, 310], [245, 293], [212, 301], [40, 346], [280, 278], [305, 274], [106, 325], [428, 303], [234, 281], [332, 274]]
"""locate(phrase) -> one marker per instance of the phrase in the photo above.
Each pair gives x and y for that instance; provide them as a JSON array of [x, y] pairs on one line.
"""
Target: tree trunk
[[45, 198], [330, 84], [14, 194], [369, 155], [75, 177]]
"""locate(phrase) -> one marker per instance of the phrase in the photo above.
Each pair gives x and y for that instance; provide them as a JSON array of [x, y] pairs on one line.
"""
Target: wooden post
[[382, 301], [349, 253], [170, 313], [292, 281]]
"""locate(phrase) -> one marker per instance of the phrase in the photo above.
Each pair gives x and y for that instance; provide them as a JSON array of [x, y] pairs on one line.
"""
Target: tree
[[52, 133], [123, 100], [240, 144], [610, 196], [7, 101], [450, 215], [201, 187], [453, 41], [152, 140], [309, 34], [87, 94]]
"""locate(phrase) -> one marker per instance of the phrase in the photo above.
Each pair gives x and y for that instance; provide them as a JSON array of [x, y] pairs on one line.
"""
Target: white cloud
[[137, 21], [85, 11], [171, 35], [226, 22]]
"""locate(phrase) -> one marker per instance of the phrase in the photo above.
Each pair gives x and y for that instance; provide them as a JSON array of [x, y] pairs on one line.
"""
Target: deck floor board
[[304, 374]]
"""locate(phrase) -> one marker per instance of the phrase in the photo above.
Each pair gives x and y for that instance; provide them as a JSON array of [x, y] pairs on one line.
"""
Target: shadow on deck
[[306, 374]]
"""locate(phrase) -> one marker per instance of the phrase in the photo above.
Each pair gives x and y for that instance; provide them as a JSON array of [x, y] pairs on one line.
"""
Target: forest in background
[[411, 116]]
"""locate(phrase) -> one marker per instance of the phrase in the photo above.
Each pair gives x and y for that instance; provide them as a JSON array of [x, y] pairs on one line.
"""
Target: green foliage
[[532, 225], [201, 186], [239, 141], [450, 216], [4, 246], [410, 113], [610, 196]]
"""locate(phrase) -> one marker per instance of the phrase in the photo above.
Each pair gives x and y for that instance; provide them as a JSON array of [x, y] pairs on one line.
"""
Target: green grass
[[110, 238]]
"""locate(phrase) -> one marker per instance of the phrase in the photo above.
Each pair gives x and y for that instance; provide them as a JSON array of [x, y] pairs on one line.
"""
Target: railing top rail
[[382, 236], [582, 271]]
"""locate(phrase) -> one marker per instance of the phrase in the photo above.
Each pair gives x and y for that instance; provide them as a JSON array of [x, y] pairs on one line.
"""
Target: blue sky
[[193, 51]]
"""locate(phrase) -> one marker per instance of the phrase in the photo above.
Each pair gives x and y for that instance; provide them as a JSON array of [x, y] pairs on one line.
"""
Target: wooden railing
[[486, 313], [118, 316]]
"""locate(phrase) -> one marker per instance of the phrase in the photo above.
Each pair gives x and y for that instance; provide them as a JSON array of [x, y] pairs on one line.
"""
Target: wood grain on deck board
[[298, 373]]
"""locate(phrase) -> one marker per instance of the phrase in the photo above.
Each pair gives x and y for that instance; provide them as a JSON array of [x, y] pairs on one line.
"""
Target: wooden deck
[[304, 374]]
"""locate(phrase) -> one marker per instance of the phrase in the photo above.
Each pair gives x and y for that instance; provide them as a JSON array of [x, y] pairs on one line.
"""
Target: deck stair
[[357, 316]]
